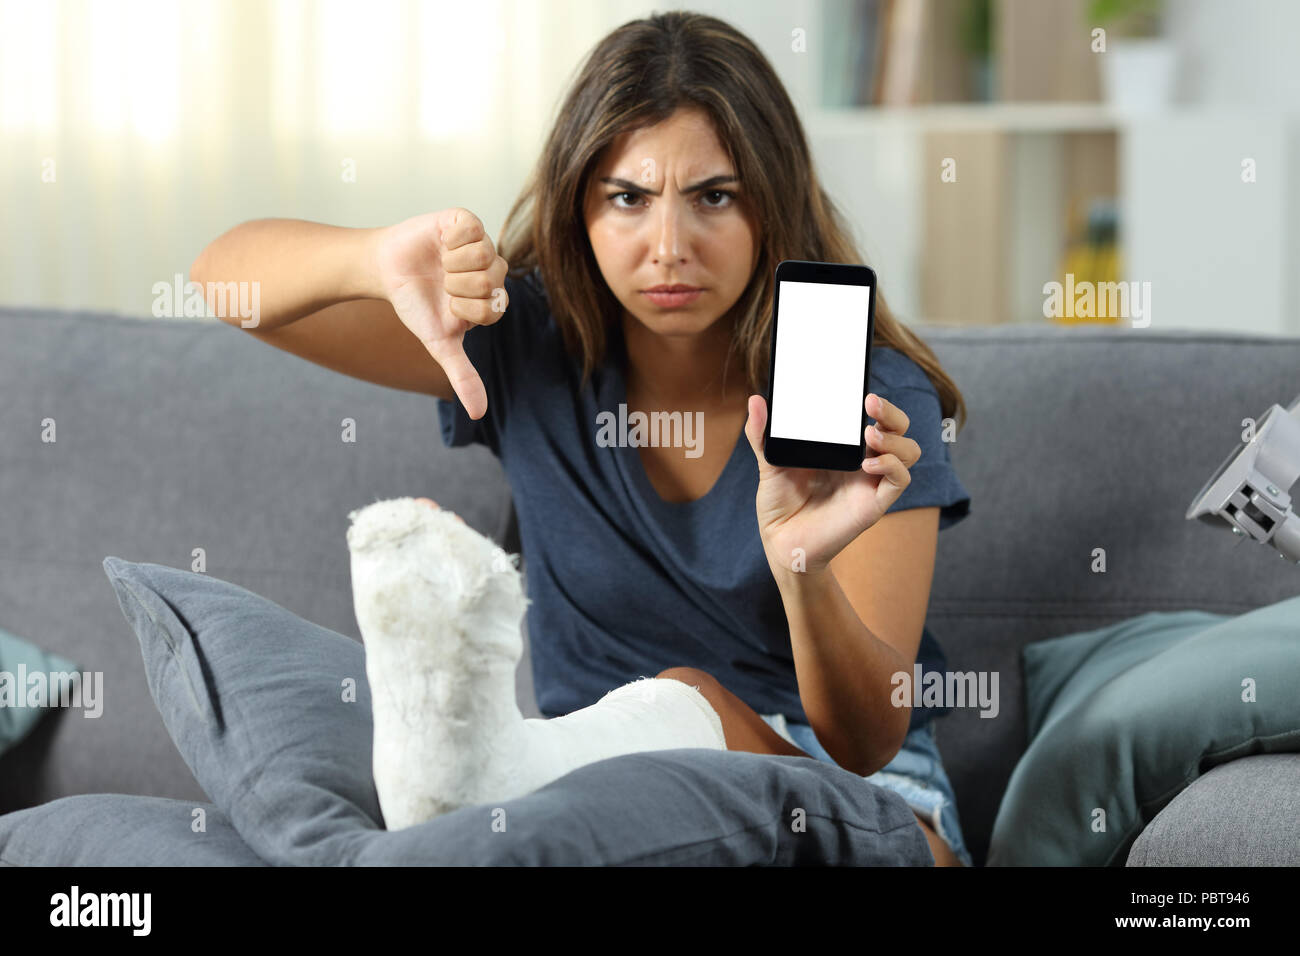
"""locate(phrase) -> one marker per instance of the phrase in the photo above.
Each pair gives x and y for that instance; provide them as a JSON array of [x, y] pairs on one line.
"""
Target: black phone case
[[798, 453]]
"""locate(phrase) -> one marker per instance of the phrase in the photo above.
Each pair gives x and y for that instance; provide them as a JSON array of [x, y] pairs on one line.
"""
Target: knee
[[708, 684]]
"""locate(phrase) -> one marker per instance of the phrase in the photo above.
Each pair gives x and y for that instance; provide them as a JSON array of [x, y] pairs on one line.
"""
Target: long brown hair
[[638, 76]]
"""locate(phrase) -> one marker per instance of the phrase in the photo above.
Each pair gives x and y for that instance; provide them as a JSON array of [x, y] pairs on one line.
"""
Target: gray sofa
[[175, 435]]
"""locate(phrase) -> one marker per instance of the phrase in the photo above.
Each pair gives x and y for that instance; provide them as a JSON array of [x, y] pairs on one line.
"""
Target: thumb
[[464, 379], [754, 426]]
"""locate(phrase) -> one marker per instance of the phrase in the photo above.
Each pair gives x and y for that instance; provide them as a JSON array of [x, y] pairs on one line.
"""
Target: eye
[[612, 196], [721, 192]]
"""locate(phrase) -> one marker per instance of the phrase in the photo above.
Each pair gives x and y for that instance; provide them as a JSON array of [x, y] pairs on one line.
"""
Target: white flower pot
[[1138, 75]]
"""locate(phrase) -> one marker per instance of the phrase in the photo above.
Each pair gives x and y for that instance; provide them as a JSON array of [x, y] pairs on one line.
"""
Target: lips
[[672, 296]]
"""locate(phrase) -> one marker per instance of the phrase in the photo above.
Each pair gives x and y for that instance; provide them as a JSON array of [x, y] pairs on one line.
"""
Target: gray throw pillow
[[272, 715], [116, 829], [1123, 718]]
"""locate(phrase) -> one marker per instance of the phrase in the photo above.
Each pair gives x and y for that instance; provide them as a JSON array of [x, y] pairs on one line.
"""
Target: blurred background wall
[[981, 148]]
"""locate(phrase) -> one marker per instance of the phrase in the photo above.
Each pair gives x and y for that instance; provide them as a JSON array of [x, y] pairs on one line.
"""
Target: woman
[[787, 597]]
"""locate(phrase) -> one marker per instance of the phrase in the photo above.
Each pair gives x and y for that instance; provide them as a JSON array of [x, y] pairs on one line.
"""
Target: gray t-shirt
[[621, 583]]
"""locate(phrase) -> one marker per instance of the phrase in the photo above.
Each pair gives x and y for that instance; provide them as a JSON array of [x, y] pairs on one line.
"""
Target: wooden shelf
[[999, 117], [1014, 118]]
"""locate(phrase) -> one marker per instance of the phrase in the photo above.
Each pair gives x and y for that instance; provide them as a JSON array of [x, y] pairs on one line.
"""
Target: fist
[[443, 276]]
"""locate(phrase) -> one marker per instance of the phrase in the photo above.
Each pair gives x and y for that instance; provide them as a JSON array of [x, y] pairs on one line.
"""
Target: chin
[[683, 321], [679, 325]]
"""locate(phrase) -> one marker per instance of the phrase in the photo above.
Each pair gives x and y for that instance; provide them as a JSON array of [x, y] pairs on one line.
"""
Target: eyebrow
[[704, 184]]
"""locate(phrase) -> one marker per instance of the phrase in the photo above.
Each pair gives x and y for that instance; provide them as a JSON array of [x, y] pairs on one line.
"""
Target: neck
[[682, 371]]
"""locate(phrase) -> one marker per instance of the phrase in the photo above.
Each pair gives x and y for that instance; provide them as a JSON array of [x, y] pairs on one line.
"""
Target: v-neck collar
[[615, 393]]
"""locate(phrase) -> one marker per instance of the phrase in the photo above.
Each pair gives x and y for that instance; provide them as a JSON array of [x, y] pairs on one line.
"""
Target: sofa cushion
[[272, 714], [1242, 813], [1124, 718]]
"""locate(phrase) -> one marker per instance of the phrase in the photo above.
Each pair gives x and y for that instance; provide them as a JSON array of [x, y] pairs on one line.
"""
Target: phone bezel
[[800, 453]]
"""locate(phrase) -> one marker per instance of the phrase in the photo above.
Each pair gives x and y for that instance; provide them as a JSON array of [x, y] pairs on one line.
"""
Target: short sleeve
[[493, 351], [934, 480]]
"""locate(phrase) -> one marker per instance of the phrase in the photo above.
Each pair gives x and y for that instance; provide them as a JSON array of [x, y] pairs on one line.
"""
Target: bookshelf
[[978, 117], [1219, 252], [1031, 163]]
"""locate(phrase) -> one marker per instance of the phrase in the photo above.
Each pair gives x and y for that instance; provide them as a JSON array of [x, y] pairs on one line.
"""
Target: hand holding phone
[[823, 323], [822, 329]]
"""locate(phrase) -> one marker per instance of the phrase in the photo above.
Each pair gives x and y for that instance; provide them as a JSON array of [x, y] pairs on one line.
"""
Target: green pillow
[[17, 657], [1123, 718]]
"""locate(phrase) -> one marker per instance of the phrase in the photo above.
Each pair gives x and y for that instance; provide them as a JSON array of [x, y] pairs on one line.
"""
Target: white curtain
[[136, 131]]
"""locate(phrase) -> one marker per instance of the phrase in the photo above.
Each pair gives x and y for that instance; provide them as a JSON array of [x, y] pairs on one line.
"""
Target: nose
[[670, 229]]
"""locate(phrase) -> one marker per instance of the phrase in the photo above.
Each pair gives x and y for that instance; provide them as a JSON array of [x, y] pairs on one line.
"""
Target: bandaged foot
[[440, 609]]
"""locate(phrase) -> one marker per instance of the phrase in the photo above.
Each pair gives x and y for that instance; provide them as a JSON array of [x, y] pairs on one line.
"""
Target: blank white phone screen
[[821, 354]]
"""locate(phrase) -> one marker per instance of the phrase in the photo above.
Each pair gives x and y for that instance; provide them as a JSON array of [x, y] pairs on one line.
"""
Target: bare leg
[[742, 726], [943, 855]]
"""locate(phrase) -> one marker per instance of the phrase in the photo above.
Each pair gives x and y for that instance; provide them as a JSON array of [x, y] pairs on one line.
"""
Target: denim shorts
[[916, 774]]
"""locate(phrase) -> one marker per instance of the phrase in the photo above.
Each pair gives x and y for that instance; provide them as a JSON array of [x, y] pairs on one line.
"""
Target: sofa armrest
[[1242, 813]]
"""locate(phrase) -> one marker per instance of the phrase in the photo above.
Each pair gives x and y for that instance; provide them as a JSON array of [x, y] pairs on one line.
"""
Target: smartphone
[[823, 322]]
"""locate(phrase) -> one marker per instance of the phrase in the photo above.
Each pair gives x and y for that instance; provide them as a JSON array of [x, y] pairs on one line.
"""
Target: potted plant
[[1137, 72], [977, 41]]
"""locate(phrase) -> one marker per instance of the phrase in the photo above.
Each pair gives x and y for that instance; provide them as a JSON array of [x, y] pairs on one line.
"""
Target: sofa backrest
[[1085, 442], [172, 436]]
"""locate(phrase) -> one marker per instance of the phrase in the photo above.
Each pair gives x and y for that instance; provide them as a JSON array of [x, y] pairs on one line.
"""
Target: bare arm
[[326, 294], [301, 267]]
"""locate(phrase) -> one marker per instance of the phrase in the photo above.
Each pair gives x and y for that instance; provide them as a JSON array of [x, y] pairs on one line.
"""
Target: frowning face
[[664, 207]]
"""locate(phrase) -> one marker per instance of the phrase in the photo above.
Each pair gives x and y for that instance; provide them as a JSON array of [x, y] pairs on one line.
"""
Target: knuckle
[[476, 257], [481, 310], [463, 309], [468, 309]]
